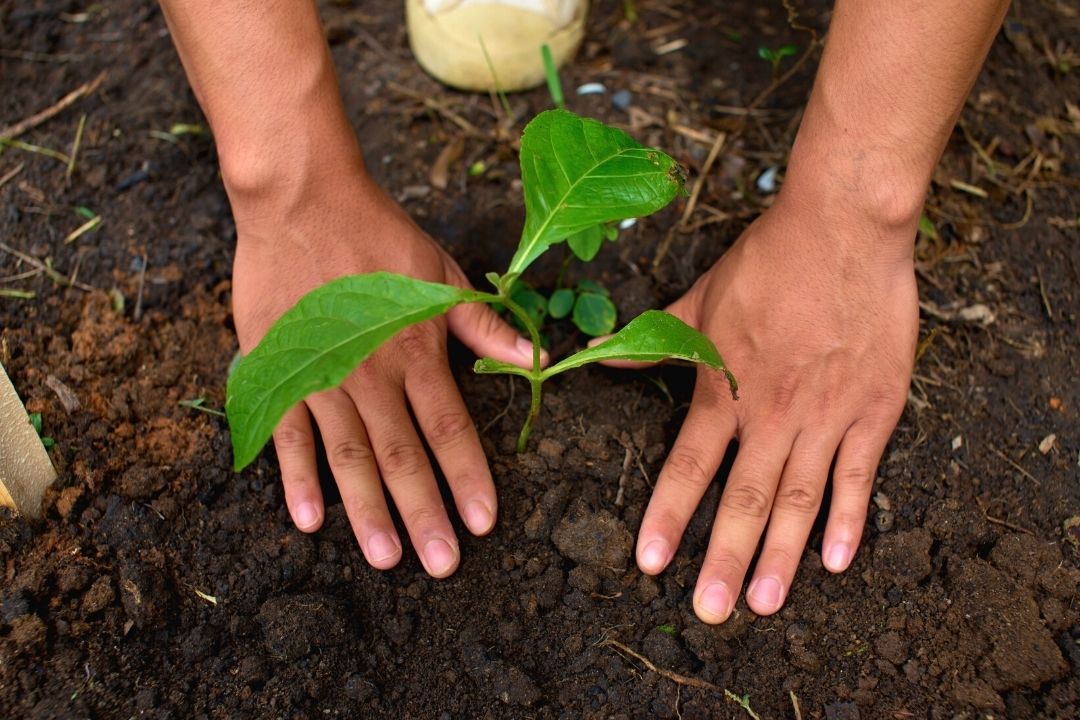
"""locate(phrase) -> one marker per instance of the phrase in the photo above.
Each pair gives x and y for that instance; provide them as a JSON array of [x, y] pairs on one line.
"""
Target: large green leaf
[[318, 342], [578, 173], [652, 336]]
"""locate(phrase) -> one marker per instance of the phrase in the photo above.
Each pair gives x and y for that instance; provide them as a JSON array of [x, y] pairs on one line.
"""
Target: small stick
[[137, 315], [672, 676], [13, 131], [10, 174], [627, 459], [53, 275], [1016, 465], [1042, 293], [795, 705], [75, 145]]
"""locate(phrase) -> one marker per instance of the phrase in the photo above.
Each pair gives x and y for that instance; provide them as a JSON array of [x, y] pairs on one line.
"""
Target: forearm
[[893, 79], [263, 75]]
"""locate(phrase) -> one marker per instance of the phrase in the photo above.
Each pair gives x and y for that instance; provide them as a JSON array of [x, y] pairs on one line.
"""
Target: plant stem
[[535, 377]]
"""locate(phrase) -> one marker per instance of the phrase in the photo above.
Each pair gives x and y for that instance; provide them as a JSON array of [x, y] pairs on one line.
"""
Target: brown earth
[[962, 602]]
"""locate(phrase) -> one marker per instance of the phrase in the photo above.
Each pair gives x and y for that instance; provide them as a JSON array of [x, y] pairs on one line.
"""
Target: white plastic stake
[[25, 468]]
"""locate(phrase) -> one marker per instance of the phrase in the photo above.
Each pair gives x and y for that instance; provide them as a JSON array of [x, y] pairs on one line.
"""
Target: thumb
[[488, 335], [482, 330], [684, 308]]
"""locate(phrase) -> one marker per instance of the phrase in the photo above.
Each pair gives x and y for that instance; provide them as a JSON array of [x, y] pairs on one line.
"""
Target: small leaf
[[587, 285], [927, 228], [48, 443], [653, 336], [561, 303], [587, 243], [578, 173], [611, 232], [668, 629], [765, 53], [35, 420], [787, 51], [532, 302], [317, 343], [594, 314]]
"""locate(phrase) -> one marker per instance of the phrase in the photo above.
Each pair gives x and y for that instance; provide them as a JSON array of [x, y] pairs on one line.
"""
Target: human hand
[[817, 317], [298, 239]]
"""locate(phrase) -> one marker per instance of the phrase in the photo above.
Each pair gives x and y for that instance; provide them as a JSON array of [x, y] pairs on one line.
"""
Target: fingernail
[[715, 602], [306, 515], [439, 557], [524, 347], [838, 557], [478, 517], [381, 547], [655, 556], [766, 592]]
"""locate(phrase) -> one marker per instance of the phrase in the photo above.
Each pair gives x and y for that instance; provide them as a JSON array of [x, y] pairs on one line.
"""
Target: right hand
[[302, 236]]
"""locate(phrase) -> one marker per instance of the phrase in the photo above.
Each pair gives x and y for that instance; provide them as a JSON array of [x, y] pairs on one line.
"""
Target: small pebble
[[593, 88], [883, 520], [622, 99], [766, 181]]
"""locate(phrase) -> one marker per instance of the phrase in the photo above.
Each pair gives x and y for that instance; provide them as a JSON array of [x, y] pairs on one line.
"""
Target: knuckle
[[799, 496], [417, 341], [748, 500], [685, 468], [351, 454], [722, 564], [858, 477], [290, 438], [448, 428], [783, 394], [402, 459], [421, 517]]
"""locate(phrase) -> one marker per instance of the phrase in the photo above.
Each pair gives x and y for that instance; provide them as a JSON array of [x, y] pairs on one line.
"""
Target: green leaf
[[532, 302], [594, 314], [552, 74], [787, 51], [652, 336], [766, 54], [587, 285], [587, 243], [561, 303], [578, 173], [317, 343], [35, 421], [669, 629]]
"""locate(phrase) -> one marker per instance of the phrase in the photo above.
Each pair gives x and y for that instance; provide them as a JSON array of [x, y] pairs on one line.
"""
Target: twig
[[795, 705], [13, 131], [48, 270], [137, 315], [6, 178], [1043, 295], [672, 676], [501, 415], [1019, 469], [998, 521], [623, 477], [75, 145], [714, 152]]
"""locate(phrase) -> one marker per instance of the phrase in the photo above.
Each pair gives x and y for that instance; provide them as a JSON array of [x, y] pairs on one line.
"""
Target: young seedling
[[775, 57], [577, 175]]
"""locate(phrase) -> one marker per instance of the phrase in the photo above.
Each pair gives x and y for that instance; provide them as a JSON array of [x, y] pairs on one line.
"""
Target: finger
[[451, 435], [687, 472], [295, 446], [485, 333], [352, 461], [853, 480], [798, 499], [407, 474], [744, 510]]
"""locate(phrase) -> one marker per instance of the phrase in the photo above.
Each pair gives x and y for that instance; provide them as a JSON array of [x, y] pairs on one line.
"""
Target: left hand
[[817, 317]]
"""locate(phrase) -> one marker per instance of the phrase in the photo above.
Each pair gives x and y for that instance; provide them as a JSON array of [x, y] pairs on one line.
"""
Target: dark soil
[[161, 584]]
